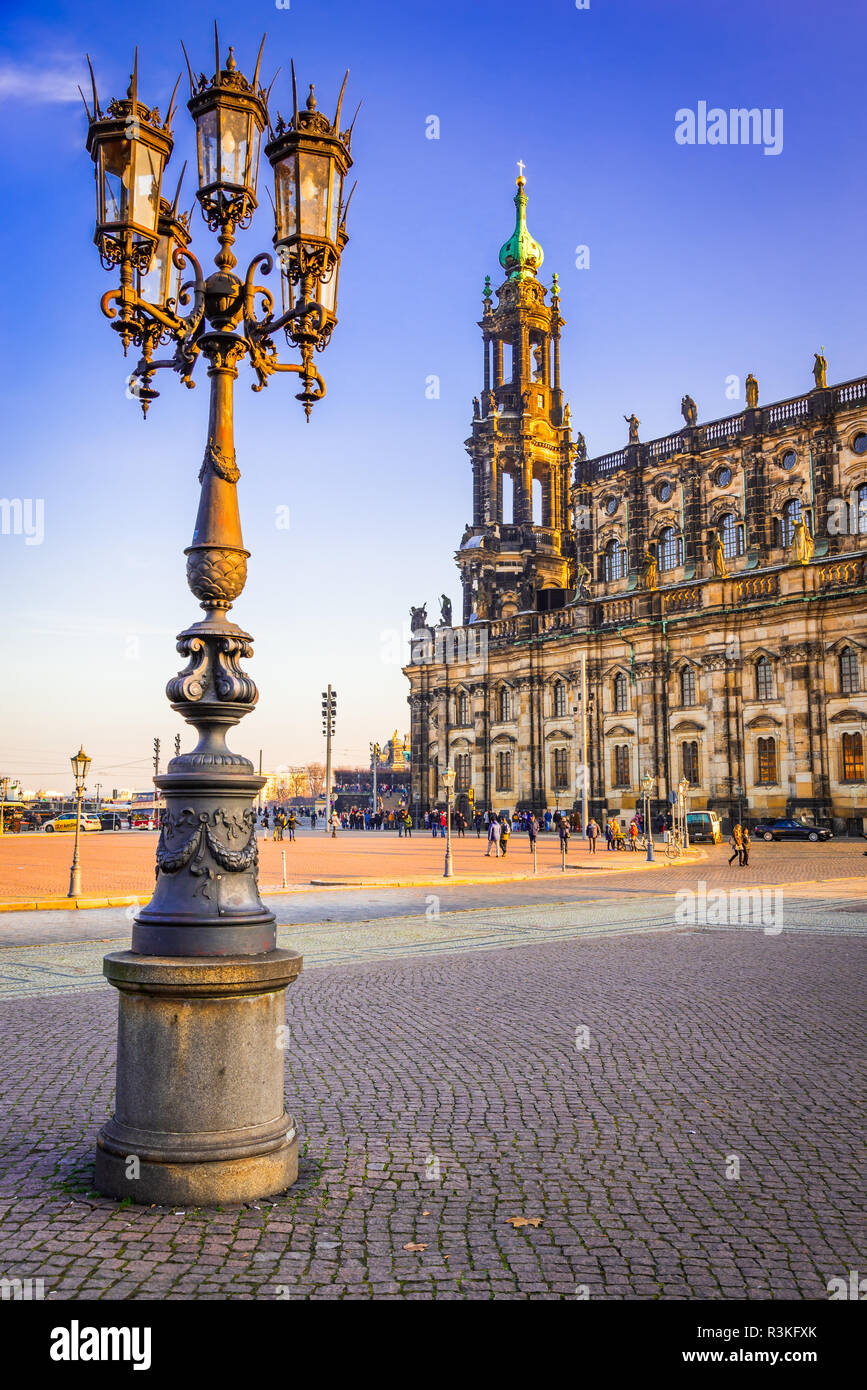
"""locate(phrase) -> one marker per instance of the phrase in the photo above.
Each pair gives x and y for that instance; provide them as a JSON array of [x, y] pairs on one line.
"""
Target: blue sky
[[705, 262]]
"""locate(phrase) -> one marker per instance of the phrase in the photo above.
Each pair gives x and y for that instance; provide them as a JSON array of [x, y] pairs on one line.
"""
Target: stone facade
[[721, 621]]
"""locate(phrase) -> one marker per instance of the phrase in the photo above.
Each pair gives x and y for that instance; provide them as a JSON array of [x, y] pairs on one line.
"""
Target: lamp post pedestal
[[199, 1115]]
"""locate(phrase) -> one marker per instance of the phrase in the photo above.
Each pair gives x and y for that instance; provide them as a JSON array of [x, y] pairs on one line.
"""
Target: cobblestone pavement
[[440, 1095]]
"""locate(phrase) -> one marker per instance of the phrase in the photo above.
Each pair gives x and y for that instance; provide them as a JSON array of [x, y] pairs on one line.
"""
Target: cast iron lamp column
[[647, 787], [200, 1112], [80, 764], [448, 783]]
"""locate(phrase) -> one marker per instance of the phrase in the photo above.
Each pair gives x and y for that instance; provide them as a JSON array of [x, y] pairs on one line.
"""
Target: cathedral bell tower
[[524, 561]]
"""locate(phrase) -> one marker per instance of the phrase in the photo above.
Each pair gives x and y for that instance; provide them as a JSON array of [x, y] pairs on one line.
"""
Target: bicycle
[[673, 845]]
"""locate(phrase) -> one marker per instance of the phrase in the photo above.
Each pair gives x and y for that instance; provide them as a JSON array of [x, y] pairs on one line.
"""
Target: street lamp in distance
[[448, 783], [80, 763], [647, 785]]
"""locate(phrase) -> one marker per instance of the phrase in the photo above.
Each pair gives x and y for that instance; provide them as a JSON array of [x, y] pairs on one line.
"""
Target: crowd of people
[[281, 822]]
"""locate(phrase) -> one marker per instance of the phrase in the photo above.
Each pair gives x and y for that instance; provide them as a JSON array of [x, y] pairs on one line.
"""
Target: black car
[[791, 830]]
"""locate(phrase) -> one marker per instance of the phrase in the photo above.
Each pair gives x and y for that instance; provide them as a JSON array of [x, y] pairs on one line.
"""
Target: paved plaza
[[508, 1091]]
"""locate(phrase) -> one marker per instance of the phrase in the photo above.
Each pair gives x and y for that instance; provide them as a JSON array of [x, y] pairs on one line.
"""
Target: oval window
[[611, 506], [723, 477], [859, 444], [789, 459], [664, 492]]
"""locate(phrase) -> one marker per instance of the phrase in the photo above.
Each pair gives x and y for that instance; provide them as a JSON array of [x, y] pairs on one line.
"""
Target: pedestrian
[[407, 825], [633, 835], [293, 821], [592, 833], [434, 824], [532, 831], [493, 838], [505, 832], [442, 825], [737, 845], [564, 834], [478, 822], [609, 834], [335, 822], [745, 847]]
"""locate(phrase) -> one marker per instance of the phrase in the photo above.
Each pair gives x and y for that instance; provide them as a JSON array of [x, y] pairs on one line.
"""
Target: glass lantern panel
[[336, 195], [253, 167], [287, 205], [152, 286], [147, 174], [115, 160], [206, 129], [327, 293], [233, 147], [314, 194]]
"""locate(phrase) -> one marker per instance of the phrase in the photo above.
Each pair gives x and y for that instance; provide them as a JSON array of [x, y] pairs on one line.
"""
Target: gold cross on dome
[[521, 168]]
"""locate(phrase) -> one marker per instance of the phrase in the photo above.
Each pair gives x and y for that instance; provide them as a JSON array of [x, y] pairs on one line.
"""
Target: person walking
[[335, 822], [442, 825], [434, 823], [493, 838], [532, 831], [592, 834], [633, 835], [407, 825], [293, 821], [505, 832], [609, 834], [737, 845], [745, 847], [564, 834]]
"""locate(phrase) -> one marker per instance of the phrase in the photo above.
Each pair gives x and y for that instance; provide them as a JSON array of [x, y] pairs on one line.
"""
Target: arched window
[[559, 698], [505, 703], [689, 763], [687, 686], [670, 549], [766, 760], [614, 562], [861, 502], [764, 679], [463, 708], [731, 535], [849, 679], [791, 514], [621, 693], [853, 758]]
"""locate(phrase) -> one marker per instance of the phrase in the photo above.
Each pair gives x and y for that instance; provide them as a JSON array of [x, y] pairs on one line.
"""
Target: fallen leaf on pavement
[[412, 1246], [518, 1221]]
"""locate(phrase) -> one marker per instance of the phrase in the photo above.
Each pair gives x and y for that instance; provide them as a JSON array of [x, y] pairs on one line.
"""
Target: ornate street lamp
[[682, 789], [207, 1121], [448, 783], [647, 785], [80, 764]]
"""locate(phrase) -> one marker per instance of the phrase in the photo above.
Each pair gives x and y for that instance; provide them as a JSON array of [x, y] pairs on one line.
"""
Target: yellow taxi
[[67, 822]]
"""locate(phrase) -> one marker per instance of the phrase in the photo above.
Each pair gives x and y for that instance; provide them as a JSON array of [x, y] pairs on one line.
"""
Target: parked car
[[791, 830], [67, 822], [703, 826], [113, 820]]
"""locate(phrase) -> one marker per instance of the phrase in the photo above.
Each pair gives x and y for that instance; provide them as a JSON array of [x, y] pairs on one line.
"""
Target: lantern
[[130, 149], [230, 116], [160, 285], [310, 158]]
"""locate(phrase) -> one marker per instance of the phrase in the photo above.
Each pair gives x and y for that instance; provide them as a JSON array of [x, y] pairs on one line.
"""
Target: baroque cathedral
[[688, 608]]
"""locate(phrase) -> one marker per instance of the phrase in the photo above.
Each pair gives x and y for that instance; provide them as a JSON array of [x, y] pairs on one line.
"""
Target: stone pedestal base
[[199, 1116]]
